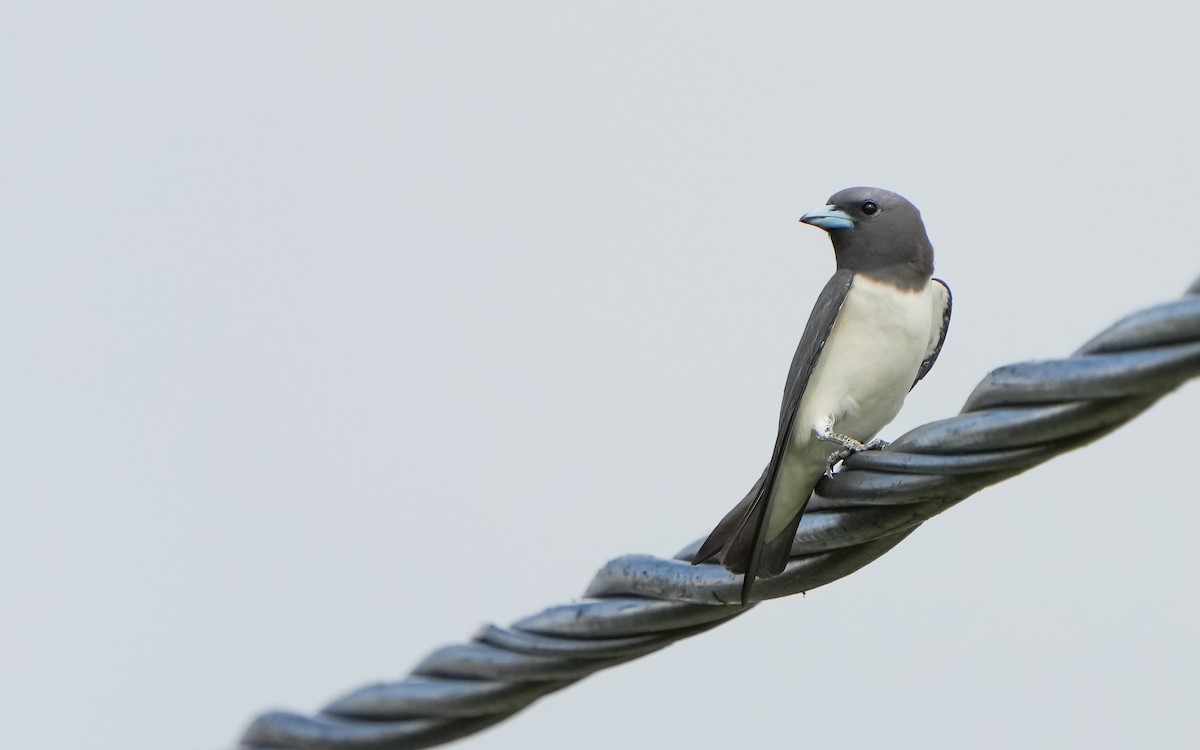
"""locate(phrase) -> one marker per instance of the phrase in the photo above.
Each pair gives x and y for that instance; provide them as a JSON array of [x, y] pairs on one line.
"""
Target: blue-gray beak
[[828, 218]]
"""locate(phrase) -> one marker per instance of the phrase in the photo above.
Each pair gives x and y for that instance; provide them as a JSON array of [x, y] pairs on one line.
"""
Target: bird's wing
[[943, 301], [740, 534], [816, 332]]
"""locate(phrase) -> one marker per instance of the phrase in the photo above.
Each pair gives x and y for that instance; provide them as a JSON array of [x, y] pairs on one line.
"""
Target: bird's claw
[[850, 450], [836, 458]]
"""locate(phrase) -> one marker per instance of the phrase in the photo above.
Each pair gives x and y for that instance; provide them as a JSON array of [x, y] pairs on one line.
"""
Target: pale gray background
[[331, 331]]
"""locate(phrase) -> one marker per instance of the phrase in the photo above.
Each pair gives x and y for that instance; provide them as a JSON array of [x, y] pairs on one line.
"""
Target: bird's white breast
[[869, 361]]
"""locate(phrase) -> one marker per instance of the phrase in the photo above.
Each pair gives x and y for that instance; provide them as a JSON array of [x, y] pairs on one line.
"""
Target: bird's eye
[[870, 208]]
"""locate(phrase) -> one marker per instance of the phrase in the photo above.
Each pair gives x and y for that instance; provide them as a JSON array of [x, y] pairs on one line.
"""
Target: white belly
[[865, 370], [869, 362]]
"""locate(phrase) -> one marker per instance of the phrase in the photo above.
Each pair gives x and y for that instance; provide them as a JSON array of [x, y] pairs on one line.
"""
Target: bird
[[875, 331]]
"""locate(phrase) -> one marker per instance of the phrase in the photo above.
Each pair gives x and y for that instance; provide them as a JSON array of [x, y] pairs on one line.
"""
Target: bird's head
[[877, 232]]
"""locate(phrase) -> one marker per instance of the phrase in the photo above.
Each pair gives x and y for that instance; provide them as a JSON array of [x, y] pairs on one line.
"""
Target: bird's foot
[[850, 447], [836, 458], [850, 450]]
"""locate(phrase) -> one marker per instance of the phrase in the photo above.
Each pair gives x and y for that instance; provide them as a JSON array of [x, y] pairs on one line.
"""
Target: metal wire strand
[[1019, 416]]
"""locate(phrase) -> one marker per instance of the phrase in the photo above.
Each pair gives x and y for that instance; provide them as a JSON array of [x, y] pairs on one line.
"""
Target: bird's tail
[[739, 541]]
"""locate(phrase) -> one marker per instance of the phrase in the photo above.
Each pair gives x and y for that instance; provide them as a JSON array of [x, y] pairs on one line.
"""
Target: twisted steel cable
[[1019, 416]]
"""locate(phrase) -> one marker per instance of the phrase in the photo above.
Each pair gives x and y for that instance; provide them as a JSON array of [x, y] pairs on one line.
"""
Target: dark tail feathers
[[737, 541]]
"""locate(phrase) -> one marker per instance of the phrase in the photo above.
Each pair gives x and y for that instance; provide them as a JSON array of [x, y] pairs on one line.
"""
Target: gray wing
[[824, 312], [738, 537], [943, 301]]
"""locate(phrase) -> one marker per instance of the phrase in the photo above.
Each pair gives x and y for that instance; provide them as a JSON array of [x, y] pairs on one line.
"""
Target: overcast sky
[[333, 330]]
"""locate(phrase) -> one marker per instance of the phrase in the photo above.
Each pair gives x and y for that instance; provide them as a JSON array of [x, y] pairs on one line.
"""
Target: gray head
[[877, 232]]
